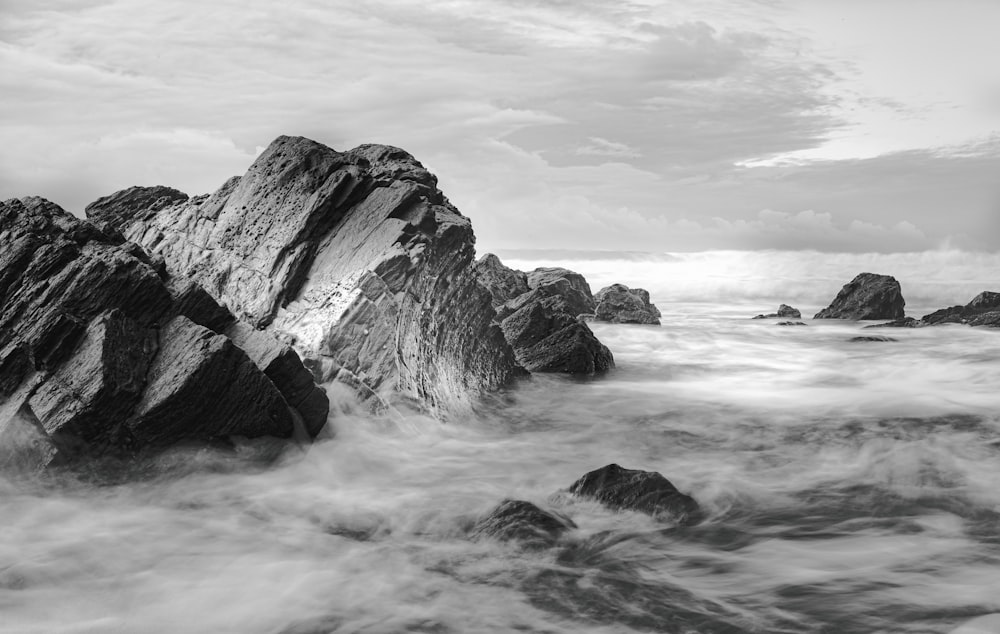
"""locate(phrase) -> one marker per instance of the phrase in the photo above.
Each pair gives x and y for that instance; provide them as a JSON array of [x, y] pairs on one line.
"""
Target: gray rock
[[867, 296], [784, 311], [790, 323], [620, 304], [569, 285], [978, 312], [631, 489], [875, 338], [517, 520], [503, 283], [905, 322]]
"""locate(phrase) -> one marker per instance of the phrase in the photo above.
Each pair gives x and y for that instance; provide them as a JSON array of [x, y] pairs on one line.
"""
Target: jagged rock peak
[[867, 296]]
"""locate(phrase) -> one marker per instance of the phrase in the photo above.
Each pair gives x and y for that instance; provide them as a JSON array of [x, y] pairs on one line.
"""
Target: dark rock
[[905, 322], [524, 522], [355, 256], [872, 338], [569, 285], [200, 386], [978, 312], [867, 296], [635, 490], [621, 305], [570, 350], [785, 311], [790, 323], [989, 318], [503, 283], [121, 206]]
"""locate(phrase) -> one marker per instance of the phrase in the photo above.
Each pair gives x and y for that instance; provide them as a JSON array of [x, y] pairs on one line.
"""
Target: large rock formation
[[867, 296], [99, 350], [355, 257], [542, 323], [623, 305]]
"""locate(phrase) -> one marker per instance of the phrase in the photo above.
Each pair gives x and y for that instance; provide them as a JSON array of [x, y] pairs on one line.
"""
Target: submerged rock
[[356, 257], [623, 305], [791, 323], [635, 490], [873, 338], [905, 322], [522, 521], [867, 296], [98, 351], [784, 310]]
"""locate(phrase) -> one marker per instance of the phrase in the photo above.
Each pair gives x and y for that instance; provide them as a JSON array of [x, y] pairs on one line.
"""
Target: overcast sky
[[847, 125]]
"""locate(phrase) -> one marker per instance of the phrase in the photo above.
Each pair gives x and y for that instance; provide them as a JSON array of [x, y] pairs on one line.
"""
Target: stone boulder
[[356, 258], [517, 520], [976, 312], [867, 296], [569, 285], [634, 490], [623, 305], [784, 311], [98, 351]]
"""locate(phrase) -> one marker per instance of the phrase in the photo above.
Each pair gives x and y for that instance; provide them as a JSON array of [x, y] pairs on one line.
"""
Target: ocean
[[848, 487]]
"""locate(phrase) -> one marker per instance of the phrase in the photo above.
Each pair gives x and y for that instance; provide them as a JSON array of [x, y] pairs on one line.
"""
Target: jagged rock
[[872, 338], [91, 342], [635, 490], [621, 305], [975, 313], [569, 285], [503, 283], [785, 311], [121, 206], [354, 256], [790, 323], [867, 296], [524, 522]]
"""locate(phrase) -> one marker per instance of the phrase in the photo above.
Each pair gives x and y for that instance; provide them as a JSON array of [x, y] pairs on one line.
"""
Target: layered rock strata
[[867, 296], [354, 257], [100, 349]]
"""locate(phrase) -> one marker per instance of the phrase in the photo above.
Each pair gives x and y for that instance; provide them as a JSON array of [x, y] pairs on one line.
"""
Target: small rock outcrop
[[620, 304], [867, 296], [791, 323], [784, 311], [542, 324], [873, 338], [981, 311], [524, 522], [356, 258], [99, 351], [631, 489]]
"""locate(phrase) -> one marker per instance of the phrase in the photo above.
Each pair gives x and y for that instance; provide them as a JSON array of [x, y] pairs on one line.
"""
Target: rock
[[978, 312], [354, 257], [524, 522], [905, 322], [785, 311], [789, 323], [98, 352], [867, 296], [635, 490], [873, 338], [989, 318], [569, 285], [503, 283], [119, 208], [621, 305]]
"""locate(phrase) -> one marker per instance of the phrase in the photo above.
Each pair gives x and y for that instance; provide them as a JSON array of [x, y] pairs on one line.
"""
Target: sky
[[836, 126]]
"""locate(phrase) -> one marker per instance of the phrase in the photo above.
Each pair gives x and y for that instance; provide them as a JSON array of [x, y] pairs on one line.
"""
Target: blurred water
[[849, 487]]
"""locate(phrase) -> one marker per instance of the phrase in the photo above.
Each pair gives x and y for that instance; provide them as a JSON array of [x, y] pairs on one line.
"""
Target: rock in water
[[569, 285], [981, 311], [874, 338], [784, 311], [522, 521], [99, 351], [867, 296], [635, 490], [623, 305], [354, 256]]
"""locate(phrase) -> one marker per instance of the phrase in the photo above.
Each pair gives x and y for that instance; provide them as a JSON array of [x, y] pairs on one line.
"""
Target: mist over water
[[848, 487]]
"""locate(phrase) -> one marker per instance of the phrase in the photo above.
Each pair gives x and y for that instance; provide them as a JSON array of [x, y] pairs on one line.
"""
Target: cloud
[[603, 147]]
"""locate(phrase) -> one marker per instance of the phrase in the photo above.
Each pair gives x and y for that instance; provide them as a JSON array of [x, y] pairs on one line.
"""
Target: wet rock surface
[[623, 305], [982, 310], [873, 338], [522, 521], [791, 323], [867, 296], [636, 490], [784, 311], [94, 340]]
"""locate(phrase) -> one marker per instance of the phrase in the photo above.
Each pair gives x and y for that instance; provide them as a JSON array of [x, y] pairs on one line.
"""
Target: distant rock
[[635, 490], [867, 296], [978, 312], [623, 305], [905, 322], [542, 325], [524, 522], [784, 311], [790, 323], [356, 258], [872, 338], [100, 351]]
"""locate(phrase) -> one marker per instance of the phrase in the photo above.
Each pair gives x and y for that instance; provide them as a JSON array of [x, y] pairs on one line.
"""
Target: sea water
[[847, 486]]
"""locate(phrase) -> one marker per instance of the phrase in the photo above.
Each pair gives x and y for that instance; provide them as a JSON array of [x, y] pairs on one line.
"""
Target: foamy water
[[849, 487]]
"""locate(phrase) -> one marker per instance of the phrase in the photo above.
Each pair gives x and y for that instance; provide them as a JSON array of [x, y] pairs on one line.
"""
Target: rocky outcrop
[[99, 351], [873, 338], [635, 490], [523, 522], [538, 313], [790, 323], [867, 296], [620, 304], [983, 310], [354, 257], [784, 311]]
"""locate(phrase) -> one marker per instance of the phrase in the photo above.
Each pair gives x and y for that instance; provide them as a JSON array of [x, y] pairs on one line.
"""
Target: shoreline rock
[[867, 296], [784, 311], [635, 490], [620, 304]]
